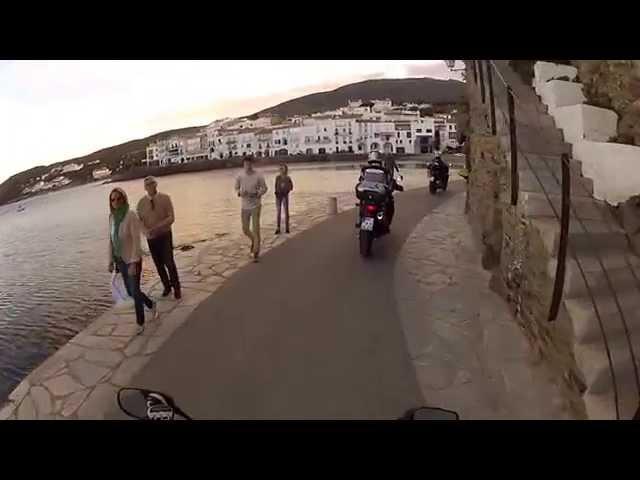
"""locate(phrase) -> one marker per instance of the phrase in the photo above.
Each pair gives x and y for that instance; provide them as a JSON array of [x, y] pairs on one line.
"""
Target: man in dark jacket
[[284, 186]]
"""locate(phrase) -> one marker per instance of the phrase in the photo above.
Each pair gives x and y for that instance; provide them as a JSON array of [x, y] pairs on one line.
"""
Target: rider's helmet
[[374, 159]]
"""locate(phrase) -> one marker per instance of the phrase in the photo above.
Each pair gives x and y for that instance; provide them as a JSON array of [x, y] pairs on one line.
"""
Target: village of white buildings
[[360, 127]]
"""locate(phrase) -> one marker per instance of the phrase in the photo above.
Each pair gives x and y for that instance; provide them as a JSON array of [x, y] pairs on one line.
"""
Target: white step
[[602, 406], [620, 271], [545, 71], [586, 122], [540, 205], [535, 181], [593, 362], [613, 168], [561, 93], [583, 318], [606, 239]]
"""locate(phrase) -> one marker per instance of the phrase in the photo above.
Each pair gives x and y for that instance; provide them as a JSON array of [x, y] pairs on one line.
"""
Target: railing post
[[564, 239], [482, 92], [492, 102], [475, 72], [515, 179]]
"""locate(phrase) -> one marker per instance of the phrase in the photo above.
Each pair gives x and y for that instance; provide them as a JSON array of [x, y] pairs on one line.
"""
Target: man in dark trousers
[[155, 211], [284, 186]]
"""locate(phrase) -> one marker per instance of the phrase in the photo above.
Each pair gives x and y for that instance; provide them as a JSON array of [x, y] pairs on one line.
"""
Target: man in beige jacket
[[155, 211]]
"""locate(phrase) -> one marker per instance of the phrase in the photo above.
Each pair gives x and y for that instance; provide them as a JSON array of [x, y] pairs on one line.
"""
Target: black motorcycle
[[142, 404], [438, 177], [376, 205]]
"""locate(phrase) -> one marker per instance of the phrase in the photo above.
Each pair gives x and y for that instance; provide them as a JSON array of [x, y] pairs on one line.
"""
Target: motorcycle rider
[[439, 169]]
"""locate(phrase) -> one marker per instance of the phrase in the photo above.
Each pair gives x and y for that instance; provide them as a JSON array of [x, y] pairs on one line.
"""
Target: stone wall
[[614, 84], [524, 281], [486, 182]]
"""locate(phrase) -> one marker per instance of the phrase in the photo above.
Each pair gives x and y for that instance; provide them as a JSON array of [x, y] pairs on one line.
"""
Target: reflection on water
[[53, 255]]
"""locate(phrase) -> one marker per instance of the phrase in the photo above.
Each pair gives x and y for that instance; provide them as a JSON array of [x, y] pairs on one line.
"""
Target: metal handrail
[[564, 220]]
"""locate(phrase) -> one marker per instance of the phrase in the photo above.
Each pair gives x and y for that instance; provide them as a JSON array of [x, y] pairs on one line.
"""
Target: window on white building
[[408, 134], [398, 134], [429, 130], [418, 130]]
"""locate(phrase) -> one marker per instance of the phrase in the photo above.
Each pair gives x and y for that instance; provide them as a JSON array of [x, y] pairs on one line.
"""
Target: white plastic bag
[[119, 293]]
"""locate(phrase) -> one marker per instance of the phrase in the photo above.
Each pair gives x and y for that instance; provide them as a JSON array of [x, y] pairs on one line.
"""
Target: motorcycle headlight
[[380, 215]]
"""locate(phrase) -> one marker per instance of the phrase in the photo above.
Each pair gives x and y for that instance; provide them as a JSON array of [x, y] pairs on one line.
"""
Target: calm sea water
[[53, 255]]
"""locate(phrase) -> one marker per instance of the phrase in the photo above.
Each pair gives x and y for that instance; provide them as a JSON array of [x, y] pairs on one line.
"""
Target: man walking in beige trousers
[[250, 187]]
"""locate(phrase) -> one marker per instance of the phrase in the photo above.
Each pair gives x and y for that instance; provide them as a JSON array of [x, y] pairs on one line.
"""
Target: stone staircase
[[598, 248]]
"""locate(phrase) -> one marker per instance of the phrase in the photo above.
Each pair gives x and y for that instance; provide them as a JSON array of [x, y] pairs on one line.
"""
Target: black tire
[[366, 241], [432, 188]]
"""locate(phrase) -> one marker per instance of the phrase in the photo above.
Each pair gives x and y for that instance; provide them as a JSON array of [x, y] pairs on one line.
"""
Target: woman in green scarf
[[125, 251]]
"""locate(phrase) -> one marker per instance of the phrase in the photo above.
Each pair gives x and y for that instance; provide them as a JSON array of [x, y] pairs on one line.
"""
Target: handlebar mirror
[[133, 402]]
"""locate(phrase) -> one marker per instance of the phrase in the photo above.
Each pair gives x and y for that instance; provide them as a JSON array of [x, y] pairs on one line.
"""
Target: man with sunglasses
[[155, 211]]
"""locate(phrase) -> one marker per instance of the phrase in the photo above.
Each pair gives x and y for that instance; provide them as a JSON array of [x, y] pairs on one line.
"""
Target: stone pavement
[[81, 379], [468, 351]]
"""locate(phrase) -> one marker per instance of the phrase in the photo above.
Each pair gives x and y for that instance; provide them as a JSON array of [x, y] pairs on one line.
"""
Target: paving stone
[[62, 385], [135, 346], [73, 402], [99, 402], [128, 369], [108, 358], [70, 352], [105, 330], [125, 330], [20, 391], [7, 411], [42, 401], [88, 373], [108, 343], [154, 345], [27, 410]]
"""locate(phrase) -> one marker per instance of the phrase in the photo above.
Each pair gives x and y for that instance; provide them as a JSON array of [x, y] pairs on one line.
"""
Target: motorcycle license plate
[[367, 224]]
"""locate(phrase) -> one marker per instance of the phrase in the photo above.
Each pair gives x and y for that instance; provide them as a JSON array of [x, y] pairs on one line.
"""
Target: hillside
[[131, 153], [416, 90]]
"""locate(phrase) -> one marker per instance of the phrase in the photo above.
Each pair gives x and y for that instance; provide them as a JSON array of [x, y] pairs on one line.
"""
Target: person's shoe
[[177, 293], [154, 311], [287, 231], [166, 291], [278, 232], [140, 329], [256, 257]]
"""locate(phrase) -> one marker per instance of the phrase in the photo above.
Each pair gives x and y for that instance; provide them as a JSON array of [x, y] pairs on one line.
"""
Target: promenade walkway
[[316, 332]]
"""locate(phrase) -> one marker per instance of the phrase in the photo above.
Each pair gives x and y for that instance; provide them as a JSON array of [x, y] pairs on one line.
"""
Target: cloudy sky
[[55, 110]]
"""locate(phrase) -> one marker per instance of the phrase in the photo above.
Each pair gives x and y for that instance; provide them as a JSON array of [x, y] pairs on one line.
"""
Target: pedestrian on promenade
[[250, 187], [284, 186], [125, 252], [156, 214]]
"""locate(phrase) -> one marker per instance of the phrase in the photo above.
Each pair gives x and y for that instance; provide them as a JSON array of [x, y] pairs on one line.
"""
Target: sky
[[52, 111]]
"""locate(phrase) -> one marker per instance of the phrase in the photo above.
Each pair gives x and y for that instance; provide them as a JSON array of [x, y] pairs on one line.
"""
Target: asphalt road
[[311, 332]]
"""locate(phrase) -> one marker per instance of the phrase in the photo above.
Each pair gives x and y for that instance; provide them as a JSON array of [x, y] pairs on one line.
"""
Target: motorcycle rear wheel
[[366, 242]]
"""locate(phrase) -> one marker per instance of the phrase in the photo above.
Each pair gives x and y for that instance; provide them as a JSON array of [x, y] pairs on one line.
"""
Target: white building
[[72, 167], [360, 127]]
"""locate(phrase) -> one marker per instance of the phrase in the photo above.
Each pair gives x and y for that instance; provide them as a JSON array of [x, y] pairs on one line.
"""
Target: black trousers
[[161, 249]]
